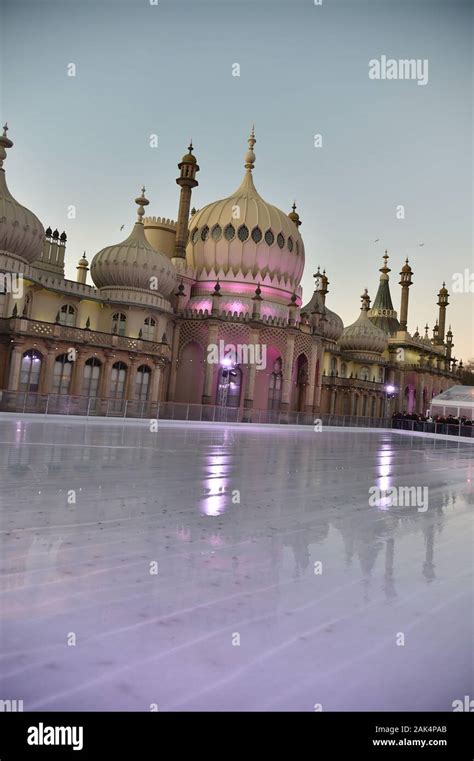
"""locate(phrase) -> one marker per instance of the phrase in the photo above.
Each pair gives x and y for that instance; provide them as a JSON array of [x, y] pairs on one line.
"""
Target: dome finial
[[5, 142], [365, 298], [250, 155], [294, 216], [141, 201]]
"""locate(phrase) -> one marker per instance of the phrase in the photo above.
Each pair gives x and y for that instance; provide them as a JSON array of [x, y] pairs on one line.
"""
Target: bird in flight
[[376, 241], [421, 244]]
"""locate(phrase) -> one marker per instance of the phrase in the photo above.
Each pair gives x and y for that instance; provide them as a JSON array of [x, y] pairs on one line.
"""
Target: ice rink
[[231, 568]]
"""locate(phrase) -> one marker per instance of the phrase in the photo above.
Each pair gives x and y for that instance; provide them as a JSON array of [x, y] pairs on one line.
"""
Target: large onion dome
[[21, 232], [363, 336], [133, 262], [244, 239]]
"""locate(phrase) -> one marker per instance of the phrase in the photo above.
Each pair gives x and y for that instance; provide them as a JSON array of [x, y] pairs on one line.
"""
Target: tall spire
[[250, 155], [188, 167], [382, 313]]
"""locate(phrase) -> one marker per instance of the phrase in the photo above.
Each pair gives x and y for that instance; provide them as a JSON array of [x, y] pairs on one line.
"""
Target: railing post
[[47, 405], [88, 406], [125, 409]]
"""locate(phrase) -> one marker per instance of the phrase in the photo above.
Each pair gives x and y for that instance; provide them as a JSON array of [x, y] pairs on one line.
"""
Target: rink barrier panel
[[82, 406]]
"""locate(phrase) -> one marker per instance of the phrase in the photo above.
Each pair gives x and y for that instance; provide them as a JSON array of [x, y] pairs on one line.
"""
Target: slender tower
[[442, 303], [405, 282], [187, 181]]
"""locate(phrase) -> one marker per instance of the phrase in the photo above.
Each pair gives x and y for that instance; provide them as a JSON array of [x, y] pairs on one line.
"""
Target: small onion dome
[[133, 262], [406, 267], [188, 158], [294, 216], [63, 237], [21, 232], [83, 263], [416, 334], [443, 291], [363, 335]]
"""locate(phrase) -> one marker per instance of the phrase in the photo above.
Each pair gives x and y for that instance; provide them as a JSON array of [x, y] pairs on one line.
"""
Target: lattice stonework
[[274, 337], [232, 332], [192, 331], [303, 343]]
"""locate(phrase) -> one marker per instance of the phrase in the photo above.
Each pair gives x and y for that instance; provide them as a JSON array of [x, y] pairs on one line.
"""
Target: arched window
[[333, 365], [256, 235], [148, 330], [216, 232], [62, 374], [142, 383], [119, 322], [269, 238], [373, 413], [343, 370], [229, 232], [67, 315], [275, 386], [30, 371], [364, 373], [117, 380], [91, 377], [381, 374]]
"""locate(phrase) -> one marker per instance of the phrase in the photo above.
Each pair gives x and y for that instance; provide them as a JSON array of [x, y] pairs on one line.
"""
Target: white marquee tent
[[457, 401]]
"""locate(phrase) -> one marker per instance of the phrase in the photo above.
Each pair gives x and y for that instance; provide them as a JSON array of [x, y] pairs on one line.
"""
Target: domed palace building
[[205, 311]]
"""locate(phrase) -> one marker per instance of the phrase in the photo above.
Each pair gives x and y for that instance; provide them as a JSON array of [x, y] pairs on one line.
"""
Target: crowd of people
[[430, 423]]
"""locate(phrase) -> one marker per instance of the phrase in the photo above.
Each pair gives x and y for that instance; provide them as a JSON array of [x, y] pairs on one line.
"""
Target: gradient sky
[[167, 69]]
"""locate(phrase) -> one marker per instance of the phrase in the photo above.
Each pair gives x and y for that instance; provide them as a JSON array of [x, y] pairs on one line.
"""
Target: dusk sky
[[166, 69]]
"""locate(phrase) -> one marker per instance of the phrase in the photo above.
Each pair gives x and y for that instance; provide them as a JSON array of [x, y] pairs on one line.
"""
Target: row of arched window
[[67, 316], [243, 233], [362, 374], [32, 362]]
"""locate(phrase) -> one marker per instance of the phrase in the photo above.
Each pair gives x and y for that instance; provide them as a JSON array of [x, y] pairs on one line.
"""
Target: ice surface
[[227, 568]]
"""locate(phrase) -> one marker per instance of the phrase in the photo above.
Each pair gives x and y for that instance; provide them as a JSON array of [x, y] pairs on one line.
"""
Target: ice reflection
[[216, 486], [384, 476]]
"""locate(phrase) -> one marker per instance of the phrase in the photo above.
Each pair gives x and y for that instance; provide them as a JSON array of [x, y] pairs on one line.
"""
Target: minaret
[[82, 269], [321, 283], [382, 313], [187, 181], [449, 343], [442, 303], [405, 282]]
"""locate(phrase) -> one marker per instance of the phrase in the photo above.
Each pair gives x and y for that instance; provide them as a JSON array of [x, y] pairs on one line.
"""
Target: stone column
[[105, 376], [252, 369], [78, 373], [287, 374], [131, 378], [155, 382], [333, 401], [174, 363], [209, 371], [46, 381], [318, 381], [15, 366], [309, 401]]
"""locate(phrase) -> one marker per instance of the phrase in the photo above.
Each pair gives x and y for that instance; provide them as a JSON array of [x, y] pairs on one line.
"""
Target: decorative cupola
[[405, 283], [416, 334], [216, 296], [449, 342], [257, 300], [188, 167], [294, 216], [382, 314], [82, 269], [292, 306], [435, 333]]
